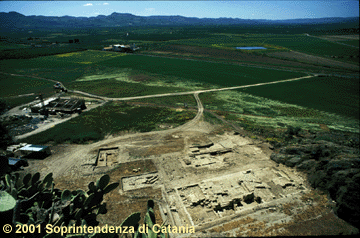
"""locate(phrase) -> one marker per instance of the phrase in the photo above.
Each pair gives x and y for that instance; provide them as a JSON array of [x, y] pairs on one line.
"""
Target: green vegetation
[[276, 42], [61, 71], [255, 112], [10, 46], [115, 75], [211, 118], [118, 75], [330, 94], [114, 88], [62, 67], [14, 85], [31, 52], [84, 57], [229, 41], [12, 102], [172, 101], [200, 71], [38, 202], [351, 42], [111, 118]]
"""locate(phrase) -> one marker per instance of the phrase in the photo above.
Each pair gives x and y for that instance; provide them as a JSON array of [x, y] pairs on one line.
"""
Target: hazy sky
[[214, 9]]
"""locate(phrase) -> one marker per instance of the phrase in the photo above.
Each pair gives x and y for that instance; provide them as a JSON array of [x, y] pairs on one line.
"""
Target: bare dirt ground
[[203, 176]]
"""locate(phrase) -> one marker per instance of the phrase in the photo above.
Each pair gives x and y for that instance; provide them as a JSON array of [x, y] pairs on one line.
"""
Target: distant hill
[[14, 20]]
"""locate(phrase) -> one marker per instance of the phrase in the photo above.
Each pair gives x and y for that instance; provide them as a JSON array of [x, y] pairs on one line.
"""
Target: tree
[[5, 137], [3, 106]]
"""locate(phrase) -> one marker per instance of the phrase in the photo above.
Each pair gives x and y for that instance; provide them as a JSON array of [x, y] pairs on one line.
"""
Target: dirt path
[[30, 76], [22, 95], [183, 127], [73, 167], [190, 92], [192, 125], [55, 121]]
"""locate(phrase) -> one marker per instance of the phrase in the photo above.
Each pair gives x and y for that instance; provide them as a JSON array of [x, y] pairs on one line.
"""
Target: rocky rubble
[[331, 167]]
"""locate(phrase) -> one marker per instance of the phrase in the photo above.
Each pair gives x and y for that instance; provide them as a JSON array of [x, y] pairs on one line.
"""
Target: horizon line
[[187, 17]]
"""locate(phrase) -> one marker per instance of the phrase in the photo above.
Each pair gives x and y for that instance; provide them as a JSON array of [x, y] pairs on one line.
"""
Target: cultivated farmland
[[331, 94], [164, 123]]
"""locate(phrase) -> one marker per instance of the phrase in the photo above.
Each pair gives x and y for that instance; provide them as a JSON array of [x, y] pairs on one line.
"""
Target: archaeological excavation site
[[218, 183]]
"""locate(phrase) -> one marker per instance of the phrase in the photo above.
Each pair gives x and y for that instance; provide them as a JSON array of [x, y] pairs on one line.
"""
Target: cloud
[[106, 3], [87, 4], [149, 9]]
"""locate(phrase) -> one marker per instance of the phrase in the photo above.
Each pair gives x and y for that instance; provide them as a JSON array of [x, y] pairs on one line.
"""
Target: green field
[[10, 46], [124, 75], [114, 89], [330, 94], [172, 101], [110, 119], [200, 71], [351, 42], [276, 42], [11, 86], [253, 111], [62, 67], [84, 57], [117, 75], [14, 85]]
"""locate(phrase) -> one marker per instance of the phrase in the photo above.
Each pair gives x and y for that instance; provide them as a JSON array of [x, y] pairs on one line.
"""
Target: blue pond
[[251, 48]]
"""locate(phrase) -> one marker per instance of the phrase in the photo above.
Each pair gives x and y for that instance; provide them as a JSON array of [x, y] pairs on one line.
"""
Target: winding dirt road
[[187, 125]]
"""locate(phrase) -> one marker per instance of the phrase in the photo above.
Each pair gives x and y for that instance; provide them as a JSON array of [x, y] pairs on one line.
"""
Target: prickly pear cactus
[[36, 201], [7, 202]]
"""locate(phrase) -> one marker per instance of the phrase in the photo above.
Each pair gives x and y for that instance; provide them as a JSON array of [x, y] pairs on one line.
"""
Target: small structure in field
[[63, 105], [121, 48], [30, 151]]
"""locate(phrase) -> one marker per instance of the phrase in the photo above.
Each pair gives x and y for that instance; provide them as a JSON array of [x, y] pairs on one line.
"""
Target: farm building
[[35, 151], [37, 107], [30, 151], [121, 48], [54, 105]]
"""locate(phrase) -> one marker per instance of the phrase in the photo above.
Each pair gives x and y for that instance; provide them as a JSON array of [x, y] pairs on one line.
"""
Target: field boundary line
[[333, 41], [194, 92]]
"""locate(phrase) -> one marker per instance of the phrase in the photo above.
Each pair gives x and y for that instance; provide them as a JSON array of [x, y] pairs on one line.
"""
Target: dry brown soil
[[163, 152]]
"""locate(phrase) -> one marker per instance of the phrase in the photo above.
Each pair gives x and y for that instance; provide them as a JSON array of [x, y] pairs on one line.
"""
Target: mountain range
[[15, 20]]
